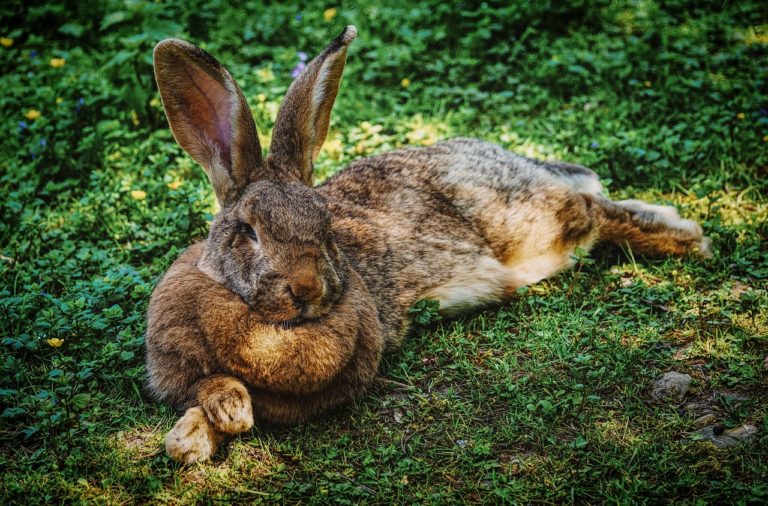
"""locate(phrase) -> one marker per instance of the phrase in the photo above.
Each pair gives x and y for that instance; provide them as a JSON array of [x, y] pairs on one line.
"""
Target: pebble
[[725, 438], [673, 386], [703, 420]]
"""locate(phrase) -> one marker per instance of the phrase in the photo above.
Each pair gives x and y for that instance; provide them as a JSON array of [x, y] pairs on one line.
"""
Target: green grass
[[544, 400]]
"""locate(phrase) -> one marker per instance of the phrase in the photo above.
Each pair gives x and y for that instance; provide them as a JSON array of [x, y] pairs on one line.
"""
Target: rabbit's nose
[[305, 289]]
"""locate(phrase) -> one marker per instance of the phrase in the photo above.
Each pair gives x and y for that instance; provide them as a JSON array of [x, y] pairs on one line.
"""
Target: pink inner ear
[[209, 109]]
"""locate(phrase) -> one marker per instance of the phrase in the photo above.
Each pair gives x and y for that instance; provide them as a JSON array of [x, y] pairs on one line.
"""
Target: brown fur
[[285, 310]]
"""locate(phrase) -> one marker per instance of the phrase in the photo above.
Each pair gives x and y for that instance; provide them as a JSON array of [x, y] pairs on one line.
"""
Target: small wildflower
[[174, 185], [298, 17], [23, 125], [647, 84], [55, 342], [741, 116], [33, 54], [138, 195], [58, 62], [405, 82], [302, 56], [155, 102], [329, 14], [261, 98], [265, 74], [59, 100], [134, 118], [765, 138], [594, 145], [298, 69], [6, 42], [43, 142], [32, 114], [334, 148]]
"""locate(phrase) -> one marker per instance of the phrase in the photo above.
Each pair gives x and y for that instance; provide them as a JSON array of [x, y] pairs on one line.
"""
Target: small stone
[[731, 399], [743, 433], [703, 420], [738, 288], [673, 385], [721, 438], [698, 407]]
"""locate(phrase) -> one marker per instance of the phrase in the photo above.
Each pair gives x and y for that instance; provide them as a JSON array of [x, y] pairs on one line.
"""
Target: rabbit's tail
[[579, 178], [650, 230]]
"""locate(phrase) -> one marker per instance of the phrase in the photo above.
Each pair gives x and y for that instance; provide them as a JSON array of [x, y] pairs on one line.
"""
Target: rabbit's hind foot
[[652, 230]]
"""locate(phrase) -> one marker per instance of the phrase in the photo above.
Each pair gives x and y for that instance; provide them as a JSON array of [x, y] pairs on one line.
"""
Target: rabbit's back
[[463, 221]]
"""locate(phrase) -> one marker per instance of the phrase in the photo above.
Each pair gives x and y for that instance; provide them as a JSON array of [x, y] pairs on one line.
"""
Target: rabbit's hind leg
[[651, 230]]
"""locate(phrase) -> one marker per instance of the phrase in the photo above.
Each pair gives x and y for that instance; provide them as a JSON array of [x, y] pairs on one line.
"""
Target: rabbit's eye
[[250, 231]]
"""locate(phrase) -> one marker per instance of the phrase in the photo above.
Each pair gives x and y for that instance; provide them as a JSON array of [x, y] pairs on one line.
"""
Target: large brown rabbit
[[285, 310]]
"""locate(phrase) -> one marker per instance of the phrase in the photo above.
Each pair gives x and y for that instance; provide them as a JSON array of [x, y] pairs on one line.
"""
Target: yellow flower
[[6, 42], [334, 148], [174, 185], [647, 84], [741, 115], [59, 100], [262, 97], [265, 74], [329, 14], [155, 102], [138, 194], [55, 342], [134, 118], [32, 114], [765, 138], [58, 62], [405, 82]]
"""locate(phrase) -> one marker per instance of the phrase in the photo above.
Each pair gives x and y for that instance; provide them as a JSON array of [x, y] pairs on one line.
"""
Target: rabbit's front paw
[[229, 409], [192, 439]]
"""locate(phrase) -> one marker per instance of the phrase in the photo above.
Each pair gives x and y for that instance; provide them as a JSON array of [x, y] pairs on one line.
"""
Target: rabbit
[[285, 310]]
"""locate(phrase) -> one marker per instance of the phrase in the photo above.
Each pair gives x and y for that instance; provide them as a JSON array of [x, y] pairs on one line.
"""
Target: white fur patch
[[482, 283], [582, 183], [488, 281], [532, 270], [319, 92]]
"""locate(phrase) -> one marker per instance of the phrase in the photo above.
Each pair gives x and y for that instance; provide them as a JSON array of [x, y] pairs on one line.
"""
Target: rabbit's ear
[[208, 116], [302, 122]]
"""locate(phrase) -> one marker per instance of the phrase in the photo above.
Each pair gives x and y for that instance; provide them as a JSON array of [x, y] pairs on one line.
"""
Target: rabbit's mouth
[[297, 315], [287, 310]]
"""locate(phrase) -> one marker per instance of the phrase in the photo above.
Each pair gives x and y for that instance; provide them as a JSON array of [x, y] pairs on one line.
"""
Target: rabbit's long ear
[[208, 116], [302, 122]]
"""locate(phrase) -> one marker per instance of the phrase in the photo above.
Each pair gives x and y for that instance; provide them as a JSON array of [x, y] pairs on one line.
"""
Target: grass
[[544, 400]]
